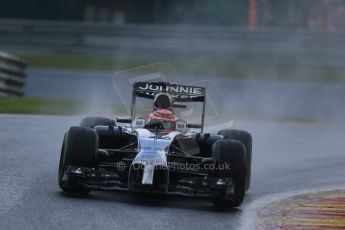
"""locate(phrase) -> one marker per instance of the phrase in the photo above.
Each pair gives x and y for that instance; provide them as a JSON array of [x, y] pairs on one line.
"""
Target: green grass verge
[[23, 105], [205, 67], [76, 61], [39, 106]]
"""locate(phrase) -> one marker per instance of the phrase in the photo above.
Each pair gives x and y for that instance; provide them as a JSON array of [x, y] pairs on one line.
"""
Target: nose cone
[[149, 168]]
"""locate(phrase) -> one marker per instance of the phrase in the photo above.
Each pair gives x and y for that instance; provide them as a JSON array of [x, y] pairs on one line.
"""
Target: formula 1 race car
[[158, 153]]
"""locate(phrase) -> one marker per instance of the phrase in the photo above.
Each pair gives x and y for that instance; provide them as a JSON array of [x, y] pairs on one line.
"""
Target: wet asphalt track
[[287, 157]]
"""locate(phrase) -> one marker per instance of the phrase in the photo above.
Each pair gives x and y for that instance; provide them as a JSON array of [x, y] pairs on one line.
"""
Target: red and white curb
[[310, 210]]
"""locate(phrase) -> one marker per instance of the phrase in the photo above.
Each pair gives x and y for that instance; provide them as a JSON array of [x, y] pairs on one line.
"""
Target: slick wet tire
[[246, 139], [78, 149], [231, 152], [92, 122]]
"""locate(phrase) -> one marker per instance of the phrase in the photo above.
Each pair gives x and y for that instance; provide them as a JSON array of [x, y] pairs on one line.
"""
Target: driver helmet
[[165, 117]]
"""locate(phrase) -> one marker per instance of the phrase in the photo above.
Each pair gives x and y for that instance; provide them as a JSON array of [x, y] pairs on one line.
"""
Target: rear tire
[[92, 122], [230, 152], [246, 139], [78, 149]]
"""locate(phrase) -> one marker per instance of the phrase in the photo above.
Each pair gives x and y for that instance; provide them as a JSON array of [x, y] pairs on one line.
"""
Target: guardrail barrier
[[12, 75]]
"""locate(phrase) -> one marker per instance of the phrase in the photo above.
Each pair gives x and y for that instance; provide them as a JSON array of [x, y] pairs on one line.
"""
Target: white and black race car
[[142, 156]]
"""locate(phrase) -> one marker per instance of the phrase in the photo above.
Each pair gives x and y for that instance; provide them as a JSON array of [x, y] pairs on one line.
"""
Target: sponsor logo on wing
[[173, 89]]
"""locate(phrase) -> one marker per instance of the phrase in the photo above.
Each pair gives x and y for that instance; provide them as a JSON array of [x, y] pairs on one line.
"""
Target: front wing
[[124, 176]]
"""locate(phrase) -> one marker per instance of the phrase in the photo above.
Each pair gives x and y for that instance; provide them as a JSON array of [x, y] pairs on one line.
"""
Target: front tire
[[230, 152], [78, 149], [246, 139], [92, 122]]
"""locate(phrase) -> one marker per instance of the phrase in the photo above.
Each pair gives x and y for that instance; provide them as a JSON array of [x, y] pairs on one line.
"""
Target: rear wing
[[180, 93]]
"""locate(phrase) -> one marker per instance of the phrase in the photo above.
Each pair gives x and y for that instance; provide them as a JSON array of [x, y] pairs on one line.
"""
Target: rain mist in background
[[262, 59]]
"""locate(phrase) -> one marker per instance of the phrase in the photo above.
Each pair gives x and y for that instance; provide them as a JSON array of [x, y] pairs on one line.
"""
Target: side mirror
[[124, 120], [180, 106], [194, 126], [181, 127], [139, 123]]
